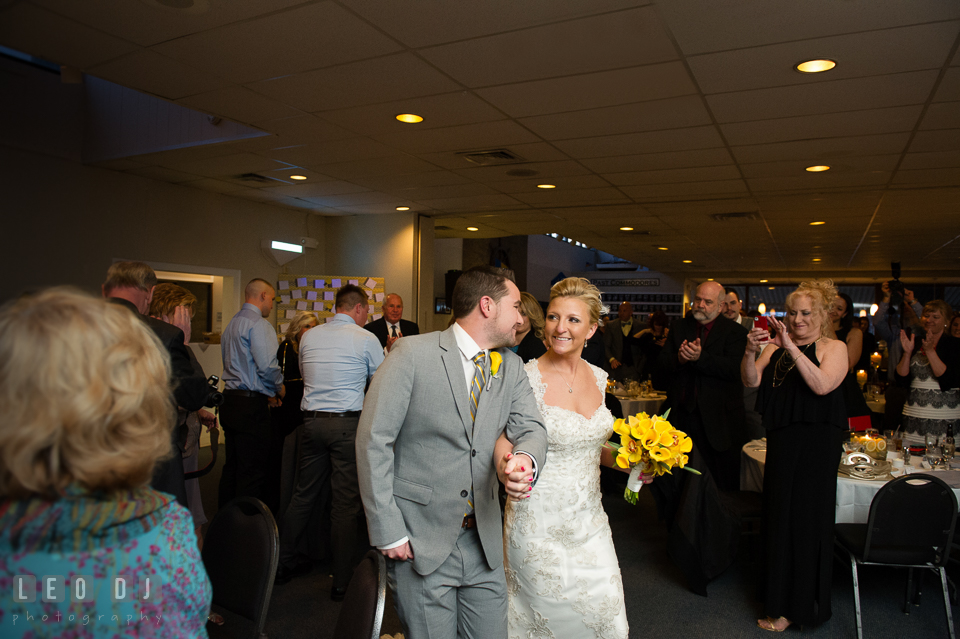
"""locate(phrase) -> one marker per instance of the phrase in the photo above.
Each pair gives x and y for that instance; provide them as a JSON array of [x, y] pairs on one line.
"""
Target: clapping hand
[[181, 319], [780, 336], [689, 351], [906, 342], [516, 474]]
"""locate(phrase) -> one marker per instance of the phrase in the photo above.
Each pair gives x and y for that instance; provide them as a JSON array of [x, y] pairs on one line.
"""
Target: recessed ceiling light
[[709, 279], [688, 261], [409, 118], [816, 259], [818, 168], [546, 186], [662, 248], [763, 281], [817, 223], [626, 228], [771, 287], [815, 66], [403, 208], [298, 177], [472, 228]]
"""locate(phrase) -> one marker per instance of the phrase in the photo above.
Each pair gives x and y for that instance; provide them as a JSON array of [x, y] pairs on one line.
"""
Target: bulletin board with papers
[[316, 293]]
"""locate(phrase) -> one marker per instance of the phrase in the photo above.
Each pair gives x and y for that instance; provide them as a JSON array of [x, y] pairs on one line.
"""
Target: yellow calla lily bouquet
[[649, 446]]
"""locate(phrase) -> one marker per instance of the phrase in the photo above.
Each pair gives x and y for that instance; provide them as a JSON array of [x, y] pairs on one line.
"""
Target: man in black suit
[[390, 327], [130, 284], [621, 347], [702, 355]]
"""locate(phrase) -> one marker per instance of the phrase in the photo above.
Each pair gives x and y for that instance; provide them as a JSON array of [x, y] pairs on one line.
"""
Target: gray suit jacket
[[418, 451]]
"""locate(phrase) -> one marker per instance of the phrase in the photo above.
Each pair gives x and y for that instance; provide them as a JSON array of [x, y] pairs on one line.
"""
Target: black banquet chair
[[362, 612], [240, 554], [911, 525]]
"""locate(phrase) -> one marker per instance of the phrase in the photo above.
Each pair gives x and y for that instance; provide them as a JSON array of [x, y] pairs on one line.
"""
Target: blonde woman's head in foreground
[[84, 393]]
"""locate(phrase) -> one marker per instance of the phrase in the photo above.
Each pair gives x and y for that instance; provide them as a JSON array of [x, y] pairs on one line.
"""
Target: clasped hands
[[516, 475]]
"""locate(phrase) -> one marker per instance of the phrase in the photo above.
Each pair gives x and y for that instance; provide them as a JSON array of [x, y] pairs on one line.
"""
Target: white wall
[[65, 223]]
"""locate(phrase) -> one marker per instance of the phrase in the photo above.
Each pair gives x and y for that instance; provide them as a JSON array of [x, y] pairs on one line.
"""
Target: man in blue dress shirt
[[252, 383], [336, 360]]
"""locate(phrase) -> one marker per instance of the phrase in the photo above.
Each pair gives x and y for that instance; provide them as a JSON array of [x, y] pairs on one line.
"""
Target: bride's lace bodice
[[562, 574]]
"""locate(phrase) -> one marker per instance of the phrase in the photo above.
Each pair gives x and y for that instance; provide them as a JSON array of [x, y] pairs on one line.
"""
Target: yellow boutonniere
[[495, 360]]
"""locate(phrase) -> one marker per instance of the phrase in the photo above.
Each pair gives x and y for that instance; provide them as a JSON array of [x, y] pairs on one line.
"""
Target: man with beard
[[425, 447], [731, 309], [703, 353]]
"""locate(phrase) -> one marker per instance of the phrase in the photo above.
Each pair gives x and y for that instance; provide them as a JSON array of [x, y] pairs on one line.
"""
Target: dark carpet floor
[[659, 606]]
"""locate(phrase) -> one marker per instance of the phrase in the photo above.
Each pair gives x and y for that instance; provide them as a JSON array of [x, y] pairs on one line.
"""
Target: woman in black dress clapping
[[803, 414]]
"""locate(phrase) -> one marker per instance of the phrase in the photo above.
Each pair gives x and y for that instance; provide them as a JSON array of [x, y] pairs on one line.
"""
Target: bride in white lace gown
[[563, 579]]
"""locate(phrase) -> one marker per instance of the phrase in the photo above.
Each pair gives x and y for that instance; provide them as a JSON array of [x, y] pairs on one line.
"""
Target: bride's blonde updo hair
[[583, 290], [821, 294]]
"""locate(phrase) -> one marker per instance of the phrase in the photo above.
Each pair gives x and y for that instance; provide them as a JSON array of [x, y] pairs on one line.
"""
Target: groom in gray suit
[[425, 448]]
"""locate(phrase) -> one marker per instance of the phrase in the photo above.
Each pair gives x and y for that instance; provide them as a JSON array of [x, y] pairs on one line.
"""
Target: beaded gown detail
[[563, 578]]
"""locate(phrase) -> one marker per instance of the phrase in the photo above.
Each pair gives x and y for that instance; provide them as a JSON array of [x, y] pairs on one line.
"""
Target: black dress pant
[[327, 449], [246, 427]]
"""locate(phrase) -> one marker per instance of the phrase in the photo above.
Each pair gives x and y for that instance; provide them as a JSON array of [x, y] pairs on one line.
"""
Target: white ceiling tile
[[472, 203], [223, 166], [535, 152], [868, 122], [60, 40], [572, 182], [857, 54], [304, 128], [449, 109], [147, 23], [939, 177], [399, 183], [651, 191], [823, 149], [386, 79], [352, 199], [796, 168], [824, 97], [935, 160], [699, 174], [554, 197], [330, 152], [298, 39], [943, 115], [164, 174], [217, 186], [544, 170], [733, 24], [703, 137], [658, 161], [632, 37], [378, 167], [949, 89], [239, 104], [672, 113], [927, 141], [158, 74], [443, 192], [819, 181], [590, 91], [436, 21], [467, 137], [318, 189]]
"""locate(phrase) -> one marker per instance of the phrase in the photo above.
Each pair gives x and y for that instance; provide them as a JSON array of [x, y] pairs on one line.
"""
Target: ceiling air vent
[[742, 216], [489, 158]]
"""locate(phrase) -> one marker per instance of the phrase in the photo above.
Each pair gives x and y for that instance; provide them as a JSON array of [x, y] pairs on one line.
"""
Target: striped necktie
[[479, 379]]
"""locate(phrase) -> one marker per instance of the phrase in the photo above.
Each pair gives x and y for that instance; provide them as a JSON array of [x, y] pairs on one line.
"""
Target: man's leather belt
[[243, 393], [313, 414], [469, 521]]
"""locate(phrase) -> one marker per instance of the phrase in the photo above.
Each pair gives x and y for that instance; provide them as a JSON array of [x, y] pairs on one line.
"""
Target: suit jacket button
[[464, 493], [474, 453]]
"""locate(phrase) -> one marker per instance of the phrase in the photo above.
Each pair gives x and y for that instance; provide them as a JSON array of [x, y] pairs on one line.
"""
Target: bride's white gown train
[[563, 579]]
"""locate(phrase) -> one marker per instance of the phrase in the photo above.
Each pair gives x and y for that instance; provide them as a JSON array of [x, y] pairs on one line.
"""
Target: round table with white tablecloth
[[853, 495], [633, 405]]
